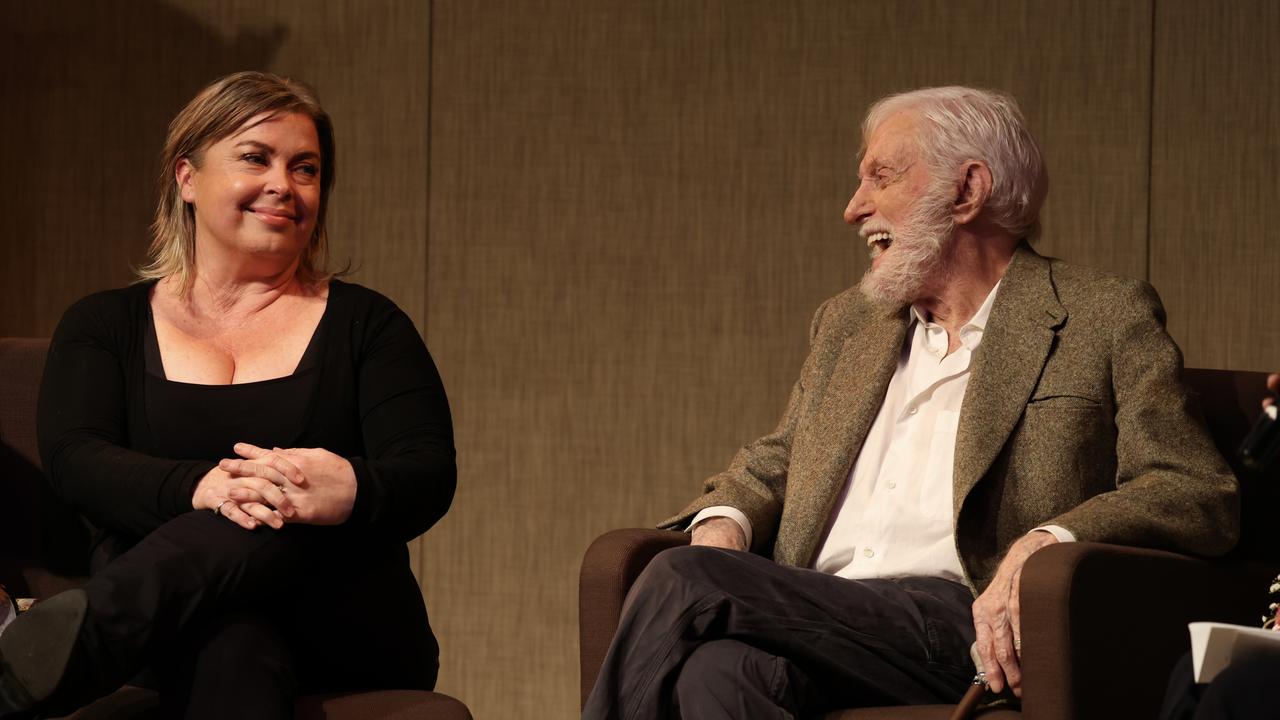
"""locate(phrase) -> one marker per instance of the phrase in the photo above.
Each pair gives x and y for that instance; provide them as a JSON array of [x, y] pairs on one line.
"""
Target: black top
[[190, 420], [126, 446]]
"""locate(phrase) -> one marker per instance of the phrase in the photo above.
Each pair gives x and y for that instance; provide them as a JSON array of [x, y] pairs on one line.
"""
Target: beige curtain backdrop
[[613, 221]]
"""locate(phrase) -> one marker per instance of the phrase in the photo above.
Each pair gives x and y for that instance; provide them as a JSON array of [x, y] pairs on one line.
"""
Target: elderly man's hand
[[721, 532], [997, 615]]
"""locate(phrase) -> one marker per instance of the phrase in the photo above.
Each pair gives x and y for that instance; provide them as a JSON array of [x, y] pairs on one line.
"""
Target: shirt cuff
[[1063, 534], [732, 513]]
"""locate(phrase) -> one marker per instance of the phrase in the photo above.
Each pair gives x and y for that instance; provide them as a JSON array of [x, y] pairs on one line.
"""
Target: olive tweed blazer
[[1075, 415]]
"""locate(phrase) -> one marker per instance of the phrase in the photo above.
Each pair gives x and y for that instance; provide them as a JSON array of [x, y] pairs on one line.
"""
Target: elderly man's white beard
[[914, 259]]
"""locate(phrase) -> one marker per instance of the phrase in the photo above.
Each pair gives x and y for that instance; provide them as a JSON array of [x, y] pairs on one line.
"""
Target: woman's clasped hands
[[272, 487]]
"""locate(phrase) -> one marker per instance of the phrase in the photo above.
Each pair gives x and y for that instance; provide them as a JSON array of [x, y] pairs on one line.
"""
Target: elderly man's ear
[[972, 193]]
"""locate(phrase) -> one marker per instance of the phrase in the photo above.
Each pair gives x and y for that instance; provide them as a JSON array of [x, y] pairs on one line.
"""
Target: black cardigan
[[376, 400]]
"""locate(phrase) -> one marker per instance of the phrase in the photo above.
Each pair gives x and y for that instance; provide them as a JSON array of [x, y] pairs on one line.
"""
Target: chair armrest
[[1103, 625], [610, 566]]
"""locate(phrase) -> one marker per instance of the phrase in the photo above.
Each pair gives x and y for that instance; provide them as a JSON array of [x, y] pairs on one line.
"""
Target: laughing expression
[[901, 212], [891, 181]]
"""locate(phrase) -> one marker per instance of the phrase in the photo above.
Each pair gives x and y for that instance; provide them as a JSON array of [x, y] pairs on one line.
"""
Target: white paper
[[1214, 646]]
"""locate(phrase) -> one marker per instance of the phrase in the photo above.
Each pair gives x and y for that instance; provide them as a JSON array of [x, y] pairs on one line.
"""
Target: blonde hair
[[218, 111], [961, 123]]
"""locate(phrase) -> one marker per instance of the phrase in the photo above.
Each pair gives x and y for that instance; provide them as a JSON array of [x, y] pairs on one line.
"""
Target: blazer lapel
[[1006, 367], [850, 404]]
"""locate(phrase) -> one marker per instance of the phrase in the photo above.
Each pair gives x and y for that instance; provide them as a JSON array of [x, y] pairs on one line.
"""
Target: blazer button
[[868, 552]]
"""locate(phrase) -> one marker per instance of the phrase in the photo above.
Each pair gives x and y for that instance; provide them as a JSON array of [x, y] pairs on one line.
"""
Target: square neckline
[[310, 360]]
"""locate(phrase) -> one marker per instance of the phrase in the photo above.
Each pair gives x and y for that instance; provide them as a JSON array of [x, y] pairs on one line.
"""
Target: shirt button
[[913, 411], [892, 484], [868, 552]]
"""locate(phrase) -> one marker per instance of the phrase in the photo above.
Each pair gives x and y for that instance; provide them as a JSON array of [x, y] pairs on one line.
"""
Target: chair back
[[21, 367], [1231, 401], [44, 546]]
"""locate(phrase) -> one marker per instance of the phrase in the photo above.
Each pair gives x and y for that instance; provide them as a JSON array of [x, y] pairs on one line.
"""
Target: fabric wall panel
[[1215, 158], [635, 210], [97, 84], [88, 95]]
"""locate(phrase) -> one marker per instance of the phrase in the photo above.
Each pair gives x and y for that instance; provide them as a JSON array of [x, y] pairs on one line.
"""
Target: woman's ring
[[218, 510]]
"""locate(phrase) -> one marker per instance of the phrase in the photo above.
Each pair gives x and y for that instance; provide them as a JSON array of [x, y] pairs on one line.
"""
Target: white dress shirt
[[894, 515]]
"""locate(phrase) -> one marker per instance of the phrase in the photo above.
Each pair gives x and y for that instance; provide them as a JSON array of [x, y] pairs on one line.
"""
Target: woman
[[255, 440]]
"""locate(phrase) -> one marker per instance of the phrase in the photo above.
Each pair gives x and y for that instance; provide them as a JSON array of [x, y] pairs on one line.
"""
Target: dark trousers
[[708, 633], [236, 622], [1243, 691]]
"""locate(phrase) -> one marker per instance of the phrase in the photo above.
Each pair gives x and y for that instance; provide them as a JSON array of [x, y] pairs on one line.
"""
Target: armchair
[[1102, 625]]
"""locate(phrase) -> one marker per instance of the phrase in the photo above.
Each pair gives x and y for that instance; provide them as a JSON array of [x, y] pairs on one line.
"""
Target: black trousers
[[708, 633], [235, 623], [1243, 691]]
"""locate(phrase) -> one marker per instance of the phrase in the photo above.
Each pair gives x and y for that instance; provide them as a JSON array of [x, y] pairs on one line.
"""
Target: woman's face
[[257, 191]]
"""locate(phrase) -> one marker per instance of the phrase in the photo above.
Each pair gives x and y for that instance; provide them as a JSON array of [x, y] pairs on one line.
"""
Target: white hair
[[962, 124]]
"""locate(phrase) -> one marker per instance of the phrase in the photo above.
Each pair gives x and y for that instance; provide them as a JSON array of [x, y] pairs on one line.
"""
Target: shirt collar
[[970, 332]]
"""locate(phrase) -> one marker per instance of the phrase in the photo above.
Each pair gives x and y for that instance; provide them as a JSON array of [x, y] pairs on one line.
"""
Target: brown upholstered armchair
[[1102, 625], [44, 550]]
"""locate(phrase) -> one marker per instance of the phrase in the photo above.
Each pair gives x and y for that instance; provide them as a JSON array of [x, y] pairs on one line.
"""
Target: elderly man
[[969, 403]]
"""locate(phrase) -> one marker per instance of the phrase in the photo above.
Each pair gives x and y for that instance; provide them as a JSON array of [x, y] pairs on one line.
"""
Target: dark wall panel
[[92, 86]]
